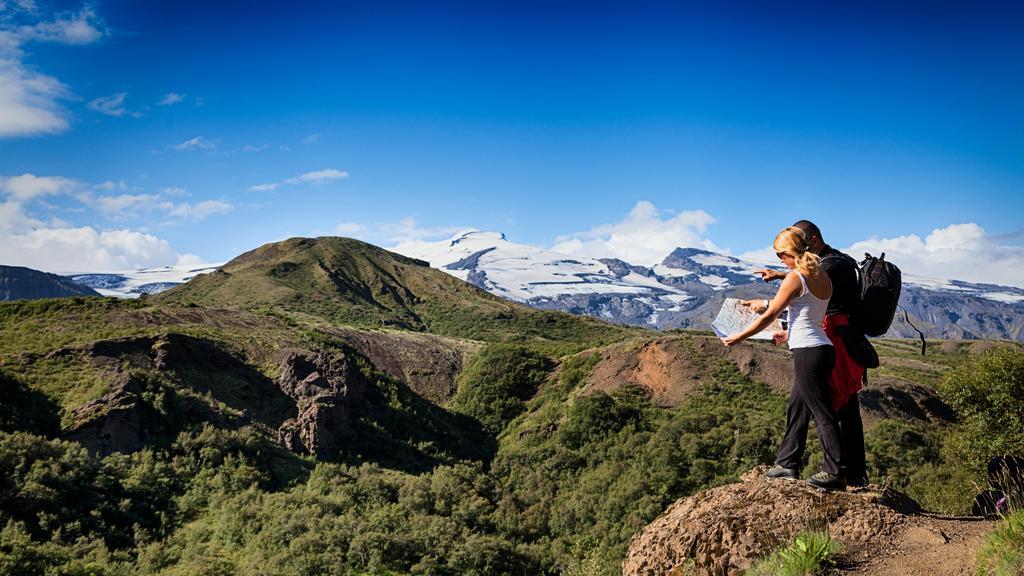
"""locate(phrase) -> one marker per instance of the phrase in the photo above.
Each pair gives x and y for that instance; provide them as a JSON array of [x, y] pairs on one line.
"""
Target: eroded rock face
[[119, 421], [324, 386], [157, 385], [426, 363], [725, 530]]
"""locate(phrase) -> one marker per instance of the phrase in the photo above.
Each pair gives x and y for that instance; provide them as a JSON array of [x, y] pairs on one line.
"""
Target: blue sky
[[132, 133]]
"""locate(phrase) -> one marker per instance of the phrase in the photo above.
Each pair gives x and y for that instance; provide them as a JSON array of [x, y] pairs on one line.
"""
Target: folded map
[[735, 317]]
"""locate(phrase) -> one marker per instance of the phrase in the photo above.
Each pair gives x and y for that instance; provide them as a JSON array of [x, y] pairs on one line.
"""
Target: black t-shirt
[[844, 273]]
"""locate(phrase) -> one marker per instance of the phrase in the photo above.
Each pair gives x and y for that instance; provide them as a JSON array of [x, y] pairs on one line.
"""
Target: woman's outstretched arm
[[789, 290]]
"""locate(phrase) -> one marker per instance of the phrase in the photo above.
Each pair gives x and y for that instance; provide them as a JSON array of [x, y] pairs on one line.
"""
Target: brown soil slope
[[673, 368]]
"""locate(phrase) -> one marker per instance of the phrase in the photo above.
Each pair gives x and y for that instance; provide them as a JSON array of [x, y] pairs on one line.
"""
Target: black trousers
[[811, 397], [851, 427]]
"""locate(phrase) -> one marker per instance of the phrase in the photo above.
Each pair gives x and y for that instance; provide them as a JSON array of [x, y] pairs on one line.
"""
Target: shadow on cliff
[[396, 428]]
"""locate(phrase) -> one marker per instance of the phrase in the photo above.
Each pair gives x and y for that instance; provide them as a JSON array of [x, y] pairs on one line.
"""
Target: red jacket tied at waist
[[847, 374]]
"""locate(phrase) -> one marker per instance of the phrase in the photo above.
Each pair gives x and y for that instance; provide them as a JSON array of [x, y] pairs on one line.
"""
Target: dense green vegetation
[[494, 388], [527, 476]]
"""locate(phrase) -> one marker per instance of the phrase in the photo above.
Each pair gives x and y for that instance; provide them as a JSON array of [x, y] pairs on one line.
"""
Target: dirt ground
[[929, 545]]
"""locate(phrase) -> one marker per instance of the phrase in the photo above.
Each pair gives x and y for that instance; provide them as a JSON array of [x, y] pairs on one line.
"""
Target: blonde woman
[[804, 292]]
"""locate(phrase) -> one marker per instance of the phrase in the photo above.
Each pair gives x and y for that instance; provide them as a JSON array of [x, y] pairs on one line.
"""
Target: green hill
[[348, 282]]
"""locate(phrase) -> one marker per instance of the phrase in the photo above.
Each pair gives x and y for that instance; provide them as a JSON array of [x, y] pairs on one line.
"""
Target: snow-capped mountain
[[134, 283], [687, 288], [663, 297]]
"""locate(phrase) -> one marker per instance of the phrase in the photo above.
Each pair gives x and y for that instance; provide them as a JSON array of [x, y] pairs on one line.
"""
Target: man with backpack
[[853, 352]]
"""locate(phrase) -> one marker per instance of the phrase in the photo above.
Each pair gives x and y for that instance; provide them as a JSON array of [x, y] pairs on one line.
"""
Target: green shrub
[[1003, 551], [809, 553], [987, 393]]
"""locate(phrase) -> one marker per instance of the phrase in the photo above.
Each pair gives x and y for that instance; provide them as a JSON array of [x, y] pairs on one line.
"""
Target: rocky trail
[[929, 545], [726, 529]]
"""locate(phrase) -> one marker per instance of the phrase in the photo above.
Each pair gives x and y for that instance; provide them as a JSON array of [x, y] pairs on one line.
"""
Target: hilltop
[[352, 283]]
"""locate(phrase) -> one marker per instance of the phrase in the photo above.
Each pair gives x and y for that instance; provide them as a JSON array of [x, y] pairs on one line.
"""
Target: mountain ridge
[[686, 289], [19, 282]]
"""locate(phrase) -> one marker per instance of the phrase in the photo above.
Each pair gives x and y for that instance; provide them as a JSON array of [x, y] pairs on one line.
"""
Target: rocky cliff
[[725, 530]]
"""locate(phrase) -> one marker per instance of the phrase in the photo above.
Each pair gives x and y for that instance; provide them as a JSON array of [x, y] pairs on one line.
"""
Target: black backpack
[[880, 285]]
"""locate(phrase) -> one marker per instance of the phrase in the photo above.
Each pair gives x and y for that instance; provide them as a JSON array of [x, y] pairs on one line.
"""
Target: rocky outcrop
[[725, 530], [428, 364], [324, 386], [119, 421], [158, 385]]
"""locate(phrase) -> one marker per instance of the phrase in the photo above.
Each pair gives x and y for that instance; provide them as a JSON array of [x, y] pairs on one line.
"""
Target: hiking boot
[[827, 481], [782, 472]]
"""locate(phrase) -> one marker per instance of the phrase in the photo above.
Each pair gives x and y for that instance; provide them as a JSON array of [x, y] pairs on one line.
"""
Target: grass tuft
[[809, 553]]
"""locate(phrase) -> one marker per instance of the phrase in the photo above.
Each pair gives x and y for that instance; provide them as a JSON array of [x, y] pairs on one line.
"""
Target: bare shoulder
[[820, 285], [791, 283]]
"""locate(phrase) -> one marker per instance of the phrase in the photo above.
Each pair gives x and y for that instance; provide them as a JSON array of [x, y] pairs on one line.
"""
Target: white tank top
[[806, 312]]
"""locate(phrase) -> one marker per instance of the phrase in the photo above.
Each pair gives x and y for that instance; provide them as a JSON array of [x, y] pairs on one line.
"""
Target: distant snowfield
[[531, 274], [134, 283], [526, 273]]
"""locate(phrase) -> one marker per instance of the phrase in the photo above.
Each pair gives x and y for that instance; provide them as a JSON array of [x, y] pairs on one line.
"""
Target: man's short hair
[[809, 228]]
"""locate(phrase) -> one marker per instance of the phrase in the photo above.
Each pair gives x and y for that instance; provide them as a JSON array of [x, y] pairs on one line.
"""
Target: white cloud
[[400, 234], [350, 229], [175, 191], [28, 186], [196, 212], [60, 247], [407, 230], [81, 28], [171, 99], [645, 236], [958, 251], [318, 176], [135, 205], [197, 143], [314, 177], [311, 138], [124, 205], [112, 105], [85, 250], [29, 99], [110, 185], [14, 219]]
